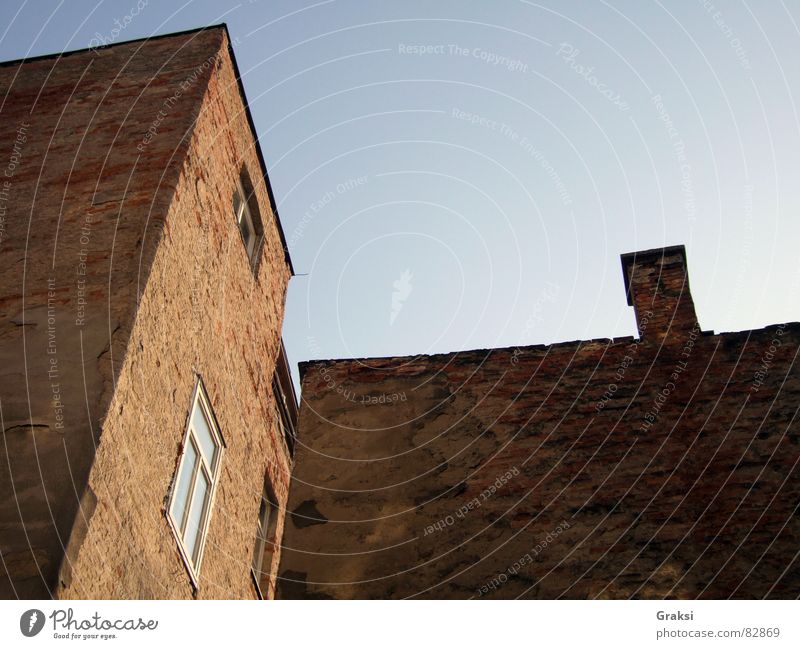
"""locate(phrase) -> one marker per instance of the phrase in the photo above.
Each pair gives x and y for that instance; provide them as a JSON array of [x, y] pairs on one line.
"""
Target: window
[[192, 492], [248, 219], [285, 400], [283, 416], [245, 222], [264, 551]]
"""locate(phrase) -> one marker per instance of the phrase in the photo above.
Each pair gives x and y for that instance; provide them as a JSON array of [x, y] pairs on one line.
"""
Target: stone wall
[[659, 466]]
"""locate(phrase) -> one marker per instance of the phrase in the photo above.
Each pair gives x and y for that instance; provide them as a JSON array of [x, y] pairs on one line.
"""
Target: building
[[664, 465], [147, 409], [149, 418]]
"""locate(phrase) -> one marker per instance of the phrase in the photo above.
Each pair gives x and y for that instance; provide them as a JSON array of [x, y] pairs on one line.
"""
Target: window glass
[[204, 435], [237, 205], [263, 517], [194, 527], [244, 227], [261, 537], [181, 496]]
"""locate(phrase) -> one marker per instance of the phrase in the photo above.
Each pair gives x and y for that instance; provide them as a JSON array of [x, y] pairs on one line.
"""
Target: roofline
[[305, 366], [273, 205], [259, 154], [84, 50]]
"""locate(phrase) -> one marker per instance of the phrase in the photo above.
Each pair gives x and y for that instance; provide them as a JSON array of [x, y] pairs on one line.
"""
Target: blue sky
[[458, 175]]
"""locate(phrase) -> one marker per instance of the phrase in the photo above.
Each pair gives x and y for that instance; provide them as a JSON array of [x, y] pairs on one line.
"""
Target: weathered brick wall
[[665, 465], [107, 205], [82, 212], [202, 312]]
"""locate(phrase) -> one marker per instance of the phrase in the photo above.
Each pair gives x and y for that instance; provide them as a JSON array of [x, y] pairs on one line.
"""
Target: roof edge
[[84, 50], [259, 154], [304, 366]]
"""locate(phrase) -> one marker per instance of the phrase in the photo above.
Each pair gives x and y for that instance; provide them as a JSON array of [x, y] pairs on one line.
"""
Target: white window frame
[[211, 470], [242, 213]]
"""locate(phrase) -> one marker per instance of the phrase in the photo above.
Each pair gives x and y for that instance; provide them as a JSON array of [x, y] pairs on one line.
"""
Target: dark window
[[283, 416], [264, 551], [285, 400]]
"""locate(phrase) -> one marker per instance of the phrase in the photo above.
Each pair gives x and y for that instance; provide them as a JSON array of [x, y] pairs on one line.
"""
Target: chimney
[[657, 287]]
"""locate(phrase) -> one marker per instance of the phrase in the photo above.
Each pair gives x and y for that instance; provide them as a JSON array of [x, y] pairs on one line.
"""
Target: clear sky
[[465, 174]]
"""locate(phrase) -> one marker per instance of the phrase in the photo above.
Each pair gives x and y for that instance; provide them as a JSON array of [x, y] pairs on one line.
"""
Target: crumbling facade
[[147, 410], [662, 465]]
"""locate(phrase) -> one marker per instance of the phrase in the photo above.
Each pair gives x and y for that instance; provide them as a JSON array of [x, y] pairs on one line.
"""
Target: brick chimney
[[657, 287]]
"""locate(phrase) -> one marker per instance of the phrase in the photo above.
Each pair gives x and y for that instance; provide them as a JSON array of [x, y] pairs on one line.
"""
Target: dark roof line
[[84, 50], [273, 205]]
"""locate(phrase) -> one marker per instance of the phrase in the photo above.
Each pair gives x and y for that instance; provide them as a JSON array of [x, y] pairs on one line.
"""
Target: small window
[[264, 551], [192, 492], [283, 416], [245, 221], [248, 219]]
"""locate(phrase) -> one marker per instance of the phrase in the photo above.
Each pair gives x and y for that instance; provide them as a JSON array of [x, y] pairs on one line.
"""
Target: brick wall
[[201, 313], [658, 466], [137, 196]]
